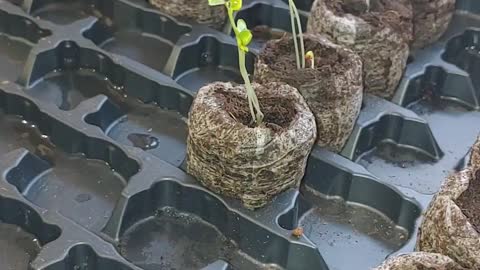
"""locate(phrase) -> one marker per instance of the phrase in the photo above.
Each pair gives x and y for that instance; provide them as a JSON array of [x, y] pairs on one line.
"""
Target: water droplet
[[68, 61], [207, 58], [143, 141]]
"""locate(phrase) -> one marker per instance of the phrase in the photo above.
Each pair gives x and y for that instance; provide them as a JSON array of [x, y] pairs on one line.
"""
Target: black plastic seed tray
[[94, 96]]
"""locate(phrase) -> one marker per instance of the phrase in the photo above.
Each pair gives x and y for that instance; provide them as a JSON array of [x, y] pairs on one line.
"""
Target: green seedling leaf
[[235, 4], [311, 58], [241, 25], [245, 38], [216, 2], [295, 19], [244, 35]]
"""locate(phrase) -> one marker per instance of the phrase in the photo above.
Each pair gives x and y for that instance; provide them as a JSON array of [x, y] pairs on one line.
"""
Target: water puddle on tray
[[174, 240], [147, 49], [355, 232], [82, 189], [18, 248], [143, 141], [65, 13], [161, 132], [197, 78]]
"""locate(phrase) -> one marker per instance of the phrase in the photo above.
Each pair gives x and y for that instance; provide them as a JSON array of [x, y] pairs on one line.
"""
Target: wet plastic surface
[[92, 146]]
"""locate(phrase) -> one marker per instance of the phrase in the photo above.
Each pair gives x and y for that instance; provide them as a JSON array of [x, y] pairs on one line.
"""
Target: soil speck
[[297, 232]]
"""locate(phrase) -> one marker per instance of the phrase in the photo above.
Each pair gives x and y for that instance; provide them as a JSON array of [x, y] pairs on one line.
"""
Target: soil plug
[[380, 31], [233, 157], [197, 11], [451, 224], [430, 20], [331, 83], [335, 114], [419, 261]]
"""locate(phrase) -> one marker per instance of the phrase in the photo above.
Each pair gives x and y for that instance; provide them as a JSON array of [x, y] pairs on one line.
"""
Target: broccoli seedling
[[310, 57], [243, 36], [299, 53]]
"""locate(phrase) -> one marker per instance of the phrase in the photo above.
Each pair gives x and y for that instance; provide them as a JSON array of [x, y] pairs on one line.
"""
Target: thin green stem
[[253, 103], [252, 97], [230, 17], [300, 33], [294, 32]]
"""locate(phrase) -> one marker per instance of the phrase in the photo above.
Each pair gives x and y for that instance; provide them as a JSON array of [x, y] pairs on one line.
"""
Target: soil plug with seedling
[[248, 141], [329, 78], [378, 30], [419, 261], [451, 225], [430, 20], [193, 11]]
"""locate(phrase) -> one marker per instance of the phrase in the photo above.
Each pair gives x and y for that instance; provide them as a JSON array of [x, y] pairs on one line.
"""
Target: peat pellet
[[451, 225], [333, 88], [193, 11], [430, 20], [378, 30], [232, 156], [419, 261]]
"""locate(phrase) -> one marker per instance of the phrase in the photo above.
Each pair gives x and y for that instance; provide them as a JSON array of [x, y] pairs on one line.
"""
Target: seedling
[[243, 37], [299, 54], [311, 58]]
